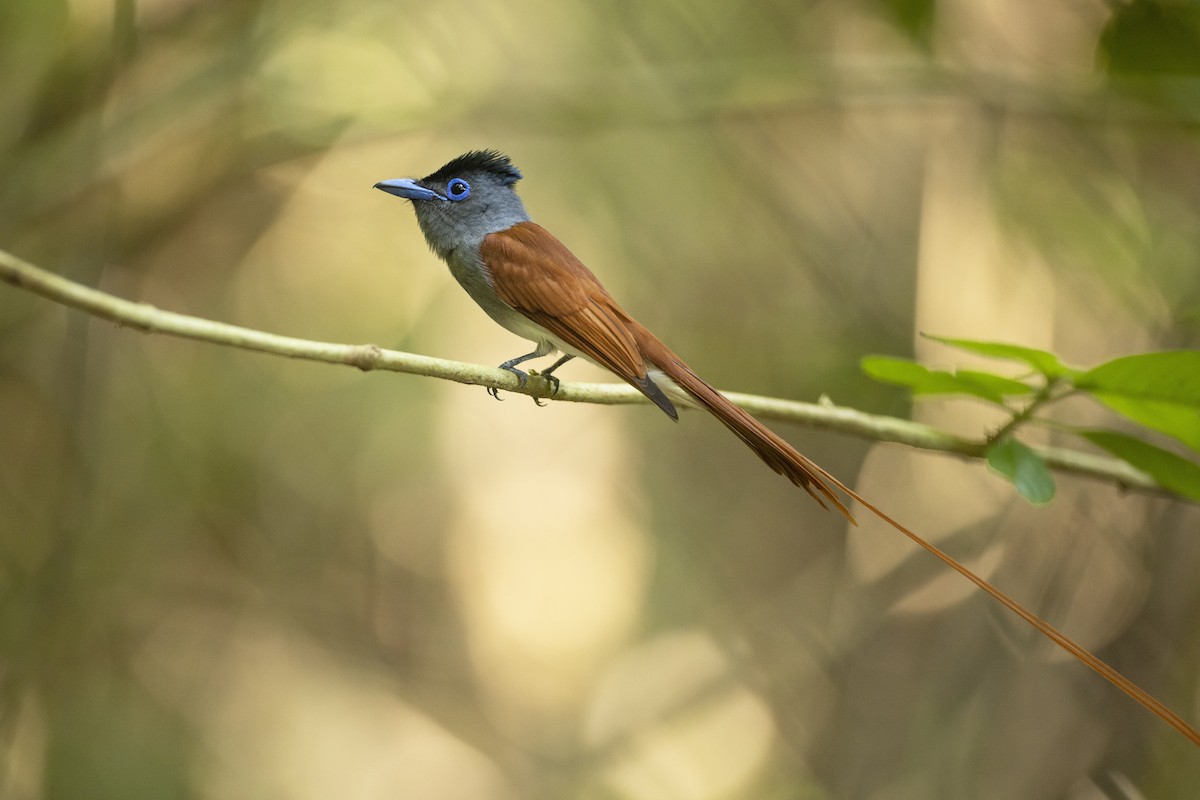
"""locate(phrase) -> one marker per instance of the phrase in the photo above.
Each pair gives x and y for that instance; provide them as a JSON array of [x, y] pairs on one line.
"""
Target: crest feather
[[491, 161]]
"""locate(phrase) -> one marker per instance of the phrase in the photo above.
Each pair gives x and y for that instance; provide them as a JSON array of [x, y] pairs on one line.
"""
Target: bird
[[531, 284]]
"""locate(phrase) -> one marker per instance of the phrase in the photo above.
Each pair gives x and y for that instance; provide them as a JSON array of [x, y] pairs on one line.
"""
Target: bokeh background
[[225, 575]]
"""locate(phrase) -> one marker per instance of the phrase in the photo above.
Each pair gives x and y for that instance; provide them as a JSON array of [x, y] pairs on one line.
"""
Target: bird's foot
[[522, 379], [550, 381]]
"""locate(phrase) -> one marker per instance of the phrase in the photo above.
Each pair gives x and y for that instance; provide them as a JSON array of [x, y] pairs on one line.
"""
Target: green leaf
[[1044, 362], [925, 381], [1025, 468], [1172, 376], [939, 382], [997, 383], [900, 371], [1168, 469], [1180, 421], [1158, 390]]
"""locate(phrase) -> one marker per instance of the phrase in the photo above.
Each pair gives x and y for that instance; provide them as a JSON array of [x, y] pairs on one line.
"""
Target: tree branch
[[825, 415]]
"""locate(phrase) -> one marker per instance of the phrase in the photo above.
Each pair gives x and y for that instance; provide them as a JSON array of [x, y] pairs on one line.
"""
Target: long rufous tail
[[802, 471], [770, 446]]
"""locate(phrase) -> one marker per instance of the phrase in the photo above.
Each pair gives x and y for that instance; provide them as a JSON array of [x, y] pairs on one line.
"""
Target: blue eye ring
[[458, 189]]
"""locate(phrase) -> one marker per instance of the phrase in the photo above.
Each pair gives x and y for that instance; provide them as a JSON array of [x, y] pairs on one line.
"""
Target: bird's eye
[[458, 189]]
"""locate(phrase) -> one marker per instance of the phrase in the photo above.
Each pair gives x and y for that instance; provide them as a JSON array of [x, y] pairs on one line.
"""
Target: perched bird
[[530, 283]]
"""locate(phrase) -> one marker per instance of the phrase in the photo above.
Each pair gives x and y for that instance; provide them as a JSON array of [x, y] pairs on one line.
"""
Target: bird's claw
[[550, 379], [522, 380]]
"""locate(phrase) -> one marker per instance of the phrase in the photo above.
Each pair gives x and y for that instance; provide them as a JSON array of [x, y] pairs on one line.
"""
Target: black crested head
[[464, 201], [490, 161]]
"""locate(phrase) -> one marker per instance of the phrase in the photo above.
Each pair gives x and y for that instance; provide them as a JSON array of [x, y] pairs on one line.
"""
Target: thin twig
[[147, 318]]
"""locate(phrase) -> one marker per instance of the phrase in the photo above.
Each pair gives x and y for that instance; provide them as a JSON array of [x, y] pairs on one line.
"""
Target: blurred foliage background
[[224, 575]]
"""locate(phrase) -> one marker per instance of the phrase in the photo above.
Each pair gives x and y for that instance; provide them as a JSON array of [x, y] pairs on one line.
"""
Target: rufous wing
[[537, 275]]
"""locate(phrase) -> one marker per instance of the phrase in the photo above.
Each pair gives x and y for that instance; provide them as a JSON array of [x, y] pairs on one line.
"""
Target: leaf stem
[[1043, 397]]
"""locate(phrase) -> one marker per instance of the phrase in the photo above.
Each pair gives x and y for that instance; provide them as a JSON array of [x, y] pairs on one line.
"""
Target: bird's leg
[[550, 377], [522, 376]]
